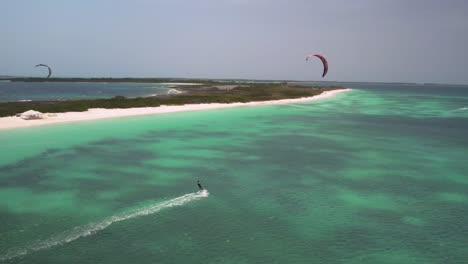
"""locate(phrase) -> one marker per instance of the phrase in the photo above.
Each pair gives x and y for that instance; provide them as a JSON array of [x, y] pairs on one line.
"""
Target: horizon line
[[9, 77]]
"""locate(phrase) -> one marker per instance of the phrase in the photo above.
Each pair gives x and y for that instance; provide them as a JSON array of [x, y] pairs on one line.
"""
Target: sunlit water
[[376, 175]]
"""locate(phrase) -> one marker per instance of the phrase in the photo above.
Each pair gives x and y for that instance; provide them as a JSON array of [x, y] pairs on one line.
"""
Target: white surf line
[[92, 228]]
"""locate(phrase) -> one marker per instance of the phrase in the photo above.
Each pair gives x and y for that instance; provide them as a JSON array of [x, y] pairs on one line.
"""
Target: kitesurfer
[[199, 185]]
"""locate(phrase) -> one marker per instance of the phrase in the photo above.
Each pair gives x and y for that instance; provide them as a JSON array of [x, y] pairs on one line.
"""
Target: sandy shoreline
[[179, 83], [101, 113]]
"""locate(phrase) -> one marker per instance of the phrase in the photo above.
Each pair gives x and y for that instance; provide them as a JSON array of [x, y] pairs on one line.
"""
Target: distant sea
[[42, 91], [375, 175]]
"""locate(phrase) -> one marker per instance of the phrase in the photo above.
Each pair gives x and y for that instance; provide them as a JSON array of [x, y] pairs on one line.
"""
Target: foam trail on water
[[92, 228], [461, 109]]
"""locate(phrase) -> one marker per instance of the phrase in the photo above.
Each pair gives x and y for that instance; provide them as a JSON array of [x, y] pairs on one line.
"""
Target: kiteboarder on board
[[199, 185]]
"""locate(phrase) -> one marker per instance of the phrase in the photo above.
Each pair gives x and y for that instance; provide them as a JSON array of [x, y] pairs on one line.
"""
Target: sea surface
[[42, 91], [375, 175]]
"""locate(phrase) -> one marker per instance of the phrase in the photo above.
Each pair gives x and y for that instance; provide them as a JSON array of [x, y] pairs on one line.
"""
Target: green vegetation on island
[[205, 93]]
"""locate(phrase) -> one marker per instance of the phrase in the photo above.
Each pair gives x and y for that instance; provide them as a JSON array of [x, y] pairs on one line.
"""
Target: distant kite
[[43, 65], [324, 61]]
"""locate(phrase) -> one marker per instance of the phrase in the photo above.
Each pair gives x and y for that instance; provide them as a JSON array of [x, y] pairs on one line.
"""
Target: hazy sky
[[363, 40]]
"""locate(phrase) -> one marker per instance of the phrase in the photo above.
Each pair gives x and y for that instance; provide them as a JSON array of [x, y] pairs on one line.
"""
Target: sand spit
[[101, 113]]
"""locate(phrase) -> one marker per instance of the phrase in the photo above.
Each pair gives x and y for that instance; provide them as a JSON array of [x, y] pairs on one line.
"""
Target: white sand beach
[[101, 113], [179, 83]]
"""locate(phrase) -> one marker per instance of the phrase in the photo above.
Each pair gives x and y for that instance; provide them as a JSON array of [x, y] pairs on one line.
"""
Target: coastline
[[12, 122], [180, 83]]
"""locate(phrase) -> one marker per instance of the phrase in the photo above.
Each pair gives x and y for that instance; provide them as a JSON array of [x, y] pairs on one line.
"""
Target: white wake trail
[[460, 109], [92, 228]]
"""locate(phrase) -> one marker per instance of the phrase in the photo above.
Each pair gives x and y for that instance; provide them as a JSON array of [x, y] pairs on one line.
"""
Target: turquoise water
[[376, 175], [43, 91]]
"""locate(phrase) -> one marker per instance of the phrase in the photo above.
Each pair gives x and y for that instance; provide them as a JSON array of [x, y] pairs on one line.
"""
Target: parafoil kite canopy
[[324, 61], [43, 65]]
